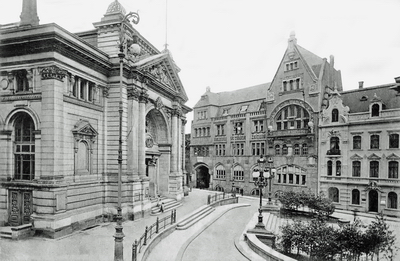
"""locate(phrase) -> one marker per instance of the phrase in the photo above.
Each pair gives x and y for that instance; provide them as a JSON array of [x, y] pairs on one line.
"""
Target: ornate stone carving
[[53, 72], [106, 91], [143, 96], [133, 93], [158, 104], [160, 73]]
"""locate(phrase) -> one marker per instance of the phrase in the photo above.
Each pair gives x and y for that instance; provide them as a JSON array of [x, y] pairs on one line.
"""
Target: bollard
[[145, 237], [209, 199], [223, 195], [134, 250], [172, 216], [175, 216], [157, 226]]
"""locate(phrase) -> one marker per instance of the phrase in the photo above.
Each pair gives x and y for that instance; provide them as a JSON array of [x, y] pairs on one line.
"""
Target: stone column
[[143, 98]]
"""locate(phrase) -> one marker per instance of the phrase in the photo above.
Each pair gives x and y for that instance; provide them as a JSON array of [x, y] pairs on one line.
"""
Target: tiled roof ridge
[[368, 88]]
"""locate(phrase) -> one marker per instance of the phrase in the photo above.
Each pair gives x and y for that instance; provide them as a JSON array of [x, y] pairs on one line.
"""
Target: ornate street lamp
[[261, 182], [119, 235]]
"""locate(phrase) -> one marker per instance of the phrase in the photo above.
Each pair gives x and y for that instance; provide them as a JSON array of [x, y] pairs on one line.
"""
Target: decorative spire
[[115, 7], [292, 38], [29, 15]]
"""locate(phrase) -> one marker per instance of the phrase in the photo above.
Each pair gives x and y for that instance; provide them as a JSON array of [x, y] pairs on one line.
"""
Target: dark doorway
[[373, 201], [203, 177]]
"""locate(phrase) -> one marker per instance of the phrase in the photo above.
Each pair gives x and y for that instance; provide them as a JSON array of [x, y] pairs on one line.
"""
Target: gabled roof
[[359, 100], [221, 99]]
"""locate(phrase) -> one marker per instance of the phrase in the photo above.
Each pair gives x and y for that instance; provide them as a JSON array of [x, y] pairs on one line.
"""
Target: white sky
[[232, 44]]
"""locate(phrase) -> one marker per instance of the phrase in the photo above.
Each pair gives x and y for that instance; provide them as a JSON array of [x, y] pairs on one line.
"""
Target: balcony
[[333, 152]]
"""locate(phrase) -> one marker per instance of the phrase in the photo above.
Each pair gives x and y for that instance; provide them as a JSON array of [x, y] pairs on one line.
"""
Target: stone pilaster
[[52, 124], [143, 99], [133, 136]]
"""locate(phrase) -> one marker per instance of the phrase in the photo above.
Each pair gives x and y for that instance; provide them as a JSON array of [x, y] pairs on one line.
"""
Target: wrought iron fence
[[214, 198], [149, 232]]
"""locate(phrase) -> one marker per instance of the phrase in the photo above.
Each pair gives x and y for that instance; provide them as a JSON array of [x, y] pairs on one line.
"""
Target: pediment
[[356, 157], [392, 157], [162, 69], [83, 127], [373, 156]]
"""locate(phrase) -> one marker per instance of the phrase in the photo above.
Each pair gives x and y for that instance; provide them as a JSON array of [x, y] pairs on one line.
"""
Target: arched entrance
[[373, 201], [203, 177], [157, 152]]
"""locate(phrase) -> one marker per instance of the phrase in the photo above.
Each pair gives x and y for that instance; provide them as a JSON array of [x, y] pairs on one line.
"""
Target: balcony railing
[[333, 152]]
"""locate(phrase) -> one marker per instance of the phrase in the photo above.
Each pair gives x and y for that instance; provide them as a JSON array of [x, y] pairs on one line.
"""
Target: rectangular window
[[374, 141], [393, 170], [356, 142], [394, 141], [374, 169], [356, 168]]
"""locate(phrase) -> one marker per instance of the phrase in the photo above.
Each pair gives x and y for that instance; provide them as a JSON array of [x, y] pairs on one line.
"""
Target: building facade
[[231, 130], [60, 124], [359, 148], [319, 138]]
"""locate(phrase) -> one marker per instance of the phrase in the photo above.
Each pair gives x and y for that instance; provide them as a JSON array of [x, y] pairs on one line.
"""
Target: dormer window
[[225, 112], [375, 110], [335, 115], [244, 108]]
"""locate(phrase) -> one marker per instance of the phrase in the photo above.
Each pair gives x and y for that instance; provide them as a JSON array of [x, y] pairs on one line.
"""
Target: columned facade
[[59, 124]]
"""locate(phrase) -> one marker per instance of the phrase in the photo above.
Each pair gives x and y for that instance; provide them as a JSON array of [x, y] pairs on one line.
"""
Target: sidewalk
[[92, 244]]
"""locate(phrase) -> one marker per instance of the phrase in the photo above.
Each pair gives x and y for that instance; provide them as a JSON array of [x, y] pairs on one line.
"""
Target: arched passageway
[[203, 177]]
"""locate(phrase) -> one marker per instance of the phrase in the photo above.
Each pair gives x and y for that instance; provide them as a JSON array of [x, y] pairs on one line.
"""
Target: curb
[[182, 250]]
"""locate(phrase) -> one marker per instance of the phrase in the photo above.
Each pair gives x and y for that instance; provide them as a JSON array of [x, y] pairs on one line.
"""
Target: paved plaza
[[213, 238]]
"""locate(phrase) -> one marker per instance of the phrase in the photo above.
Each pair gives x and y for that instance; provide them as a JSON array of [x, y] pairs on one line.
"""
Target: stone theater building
[[60, 101], [306, 124]]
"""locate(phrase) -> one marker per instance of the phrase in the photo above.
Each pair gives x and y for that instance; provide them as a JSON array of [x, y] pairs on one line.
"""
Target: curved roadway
[[217, 241]]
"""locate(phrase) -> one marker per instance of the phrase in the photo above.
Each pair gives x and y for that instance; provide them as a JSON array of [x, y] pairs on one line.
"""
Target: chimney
[[29, 15], [360, 85], [397, 79]]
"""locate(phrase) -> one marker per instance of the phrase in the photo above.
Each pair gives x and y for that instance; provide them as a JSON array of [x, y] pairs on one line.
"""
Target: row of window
[[393, 169], [257, 148], [298, 149], [374, 141], [291, 66], [202, 115], [202, 151], [292, 117], [292, 84], [392, 199], [202, 132], [284, 174], [83, 89]]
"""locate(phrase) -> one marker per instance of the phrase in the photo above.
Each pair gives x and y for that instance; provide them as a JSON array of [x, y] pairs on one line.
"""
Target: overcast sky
[[232, 44]]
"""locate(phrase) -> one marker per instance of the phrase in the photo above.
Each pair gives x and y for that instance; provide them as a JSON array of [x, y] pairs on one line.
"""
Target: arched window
[[329, 168], [333, 194], [335, 115], [292, 117], [335, 143], [393, 170], [356, 168], [375, 110], [22, 81], [392, 200], [24, 147], [277, 150], [374, 169], [284, 149], [355, 197], [338, 168], [220, 172], [238, 173]]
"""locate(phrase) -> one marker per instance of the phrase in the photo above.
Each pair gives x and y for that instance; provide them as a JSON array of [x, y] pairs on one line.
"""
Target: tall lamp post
[[262, 182], [119, 235]]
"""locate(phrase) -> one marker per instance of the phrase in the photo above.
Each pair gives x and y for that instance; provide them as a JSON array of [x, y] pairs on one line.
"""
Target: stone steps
[[169, 204], [194, 217]]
